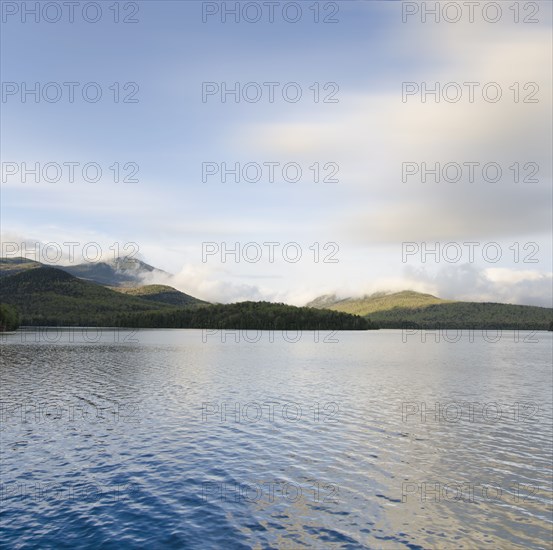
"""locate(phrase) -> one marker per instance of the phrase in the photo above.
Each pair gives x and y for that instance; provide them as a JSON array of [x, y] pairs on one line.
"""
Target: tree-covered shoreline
[[9, 318], [246, 316]]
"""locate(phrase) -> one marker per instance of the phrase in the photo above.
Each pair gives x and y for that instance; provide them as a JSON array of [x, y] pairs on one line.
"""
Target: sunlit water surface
[[178, 439]]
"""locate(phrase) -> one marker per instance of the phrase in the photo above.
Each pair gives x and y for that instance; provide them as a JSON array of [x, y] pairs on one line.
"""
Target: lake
[[202, 439]]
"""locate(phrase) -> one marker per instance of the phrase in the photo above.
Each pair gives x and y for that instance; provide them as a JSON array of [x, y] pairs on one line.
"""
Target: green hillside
[[11, 266], [400, 309], [160, 293], [248, 315], [50, 296], [380, 301], [473, 315]]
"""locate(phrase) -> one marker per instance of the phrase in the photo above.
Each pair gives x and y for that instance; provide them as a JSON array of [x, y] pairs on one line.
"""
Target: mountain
[[124, 275], [379, 301], [409, 308], [121, 272], [160, 293], [325, 301], [11, 266], [467, 315], [51, 296], [76, 295]]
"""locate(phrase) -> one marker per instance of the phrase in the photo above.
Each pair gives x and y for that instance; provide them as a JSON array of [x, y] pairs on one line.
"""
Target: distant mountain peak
[[126, 263], [20, 260], [377, 301], [323, 301], [122, 271]]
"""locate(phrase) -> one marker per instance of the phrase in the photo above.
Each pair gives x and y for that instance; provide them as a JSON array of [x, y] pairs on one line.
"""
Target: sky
[[333, 125]]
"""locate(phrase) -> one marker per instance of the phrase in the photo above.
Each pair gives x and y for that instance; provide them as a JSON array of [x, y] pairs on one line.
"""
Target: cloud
[[371, 134], [464, 282], [65, 249], [217, 284], [469, 283], [210, 284]]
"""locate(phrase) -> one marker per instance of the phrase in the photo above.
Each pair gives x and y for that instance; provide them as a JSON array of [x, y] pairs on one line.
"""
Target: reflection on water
[[190, 439]]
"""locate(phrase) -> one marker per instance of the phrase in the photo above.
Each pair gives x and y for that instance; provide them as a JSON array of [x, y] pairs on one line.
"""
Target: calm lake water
[[179, 439]]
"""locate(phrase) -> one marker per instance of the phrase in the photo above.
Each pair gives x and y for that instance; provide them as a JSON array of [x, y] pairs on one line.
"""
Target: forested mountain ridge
[[50, 296], [409, 308]]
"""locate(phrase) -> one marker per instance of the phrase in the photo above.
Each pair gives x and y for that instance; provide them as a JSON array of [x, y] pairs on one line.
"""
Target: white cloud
[[470, 283], [372, 134]]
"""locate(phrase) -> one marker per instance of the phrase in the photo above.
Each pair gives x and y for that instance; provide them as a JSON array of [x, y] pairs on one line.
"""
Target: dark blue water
[[176, 439]]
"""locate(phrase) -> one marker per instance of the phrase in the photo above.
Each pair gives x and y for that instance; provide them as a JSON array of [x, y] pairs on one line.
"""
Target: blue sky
[[368, 134]]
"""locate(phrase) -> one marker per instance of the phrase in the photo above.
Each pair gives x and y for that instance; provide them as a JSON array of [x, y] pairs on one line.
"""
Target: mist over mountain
[[378, 301], [120, 272], [51, 296], [129, 285], [47, 296]]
